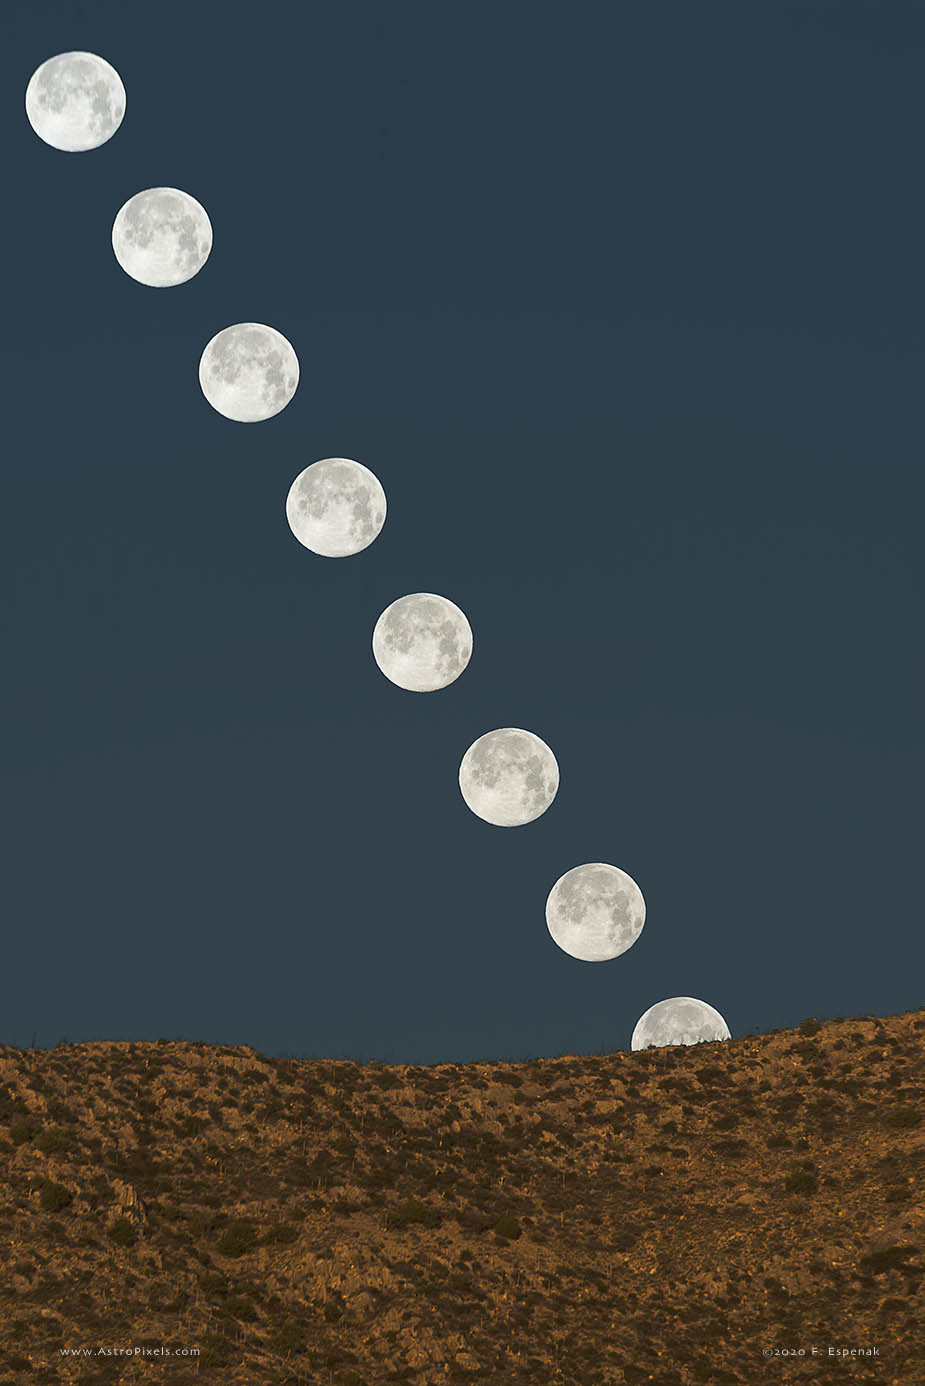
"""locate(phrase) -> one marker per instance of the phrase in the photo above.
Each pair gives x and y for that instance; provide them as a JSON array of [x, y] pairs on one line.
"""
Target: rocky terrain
[[684, 1215]]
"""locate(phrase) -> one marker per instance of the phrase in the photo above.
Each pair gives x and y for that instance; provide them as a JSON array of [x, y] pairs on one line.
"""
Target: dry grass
[[658, 1217]]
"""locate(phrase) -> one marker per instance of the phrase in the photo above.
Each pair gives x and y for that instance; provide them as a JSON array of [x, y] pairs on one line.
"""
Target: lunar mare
[[248, 372], [75, 101], [679, 1020], [336, 507], [595, 912], [161, 237], [422, 642], [508, 777]]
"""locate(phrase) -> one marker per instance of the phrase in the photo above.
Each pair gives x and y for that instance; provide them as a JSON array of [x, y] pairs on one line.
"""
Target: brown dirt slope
[[677, 1216]]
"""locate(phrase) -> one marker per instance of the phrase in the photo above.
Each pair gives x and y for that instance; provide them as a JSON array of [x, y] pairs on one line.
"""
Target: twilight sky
[[623, 305]]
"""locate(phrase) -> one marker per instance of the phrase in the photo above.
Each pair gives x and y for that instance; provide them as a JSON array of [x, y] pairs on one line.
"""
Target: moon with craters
[[422, 642], [679, 1020], [336, 507], [508, 777], [248, 372], [595, 912], [75, 101], [161, 237]]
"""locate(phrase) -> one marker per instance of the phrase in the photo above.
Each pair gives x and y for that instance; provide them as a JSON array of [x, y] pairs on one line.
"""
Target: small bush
[[350, 1378], [809, 1026], [386, 1080], [896, 1193], [290, 1336], [213, 1284], [904, 1116], [731, 1148], [240, 1308], [199, 1225], [53, 1139], [801, 1181], [23, 1131], [240, 1238], [892, 1258], [53, 1197], [411, 1211], [507, 1227], [213, 1351], [332, 1313], [280, 1235], [321, 1163], [122, 1233]]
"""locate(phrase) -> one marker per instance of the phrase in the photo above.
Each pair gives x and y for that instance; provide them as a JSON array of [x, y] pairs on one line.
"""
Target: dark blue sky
[[623, 305]]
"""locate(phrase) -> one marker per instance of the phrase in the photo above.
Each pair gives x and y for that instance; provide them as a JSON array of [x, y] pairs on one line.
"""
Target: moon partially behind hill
[[422, 642], [508, 777], [75, 101], [595, 912], [162, 237], [248, 372], [336, 507], [679, 1020]]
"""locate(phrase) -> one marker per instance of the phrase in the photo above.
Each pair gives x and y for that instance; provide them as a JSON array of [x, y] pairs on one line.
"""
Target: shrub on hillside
[[240, 1238], [53, 1197], [213, 1284], [507, 1227], [122, 1232], [290, 1336], [281, 1234], [213, 1351], [240, 1308], [23, 1130], [53, 1139], [809, 1026], [412, 1211], [801, 1181], [891, 1258], [904, 1116]]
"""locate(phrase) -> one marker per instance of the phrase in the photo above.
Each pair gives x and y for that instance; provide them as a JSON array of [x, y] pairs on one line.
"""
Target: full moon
[[248, 372], [162, 236], [679, 1020], [595, 912], [336, 507], [422, 642], [75, 101], [508, 777]]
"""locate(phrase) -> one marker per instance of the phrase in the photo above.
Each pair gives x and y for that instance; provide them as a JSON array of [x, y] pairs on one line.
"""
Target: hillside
[[666, 1216]]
